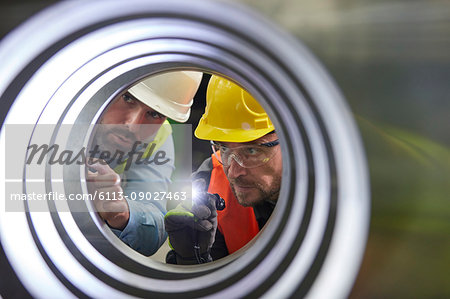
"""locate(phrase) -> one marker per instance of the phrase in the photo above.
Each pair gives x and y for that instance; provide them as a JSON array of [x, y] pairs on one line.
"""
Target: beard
[[259, 194], [104, 138]]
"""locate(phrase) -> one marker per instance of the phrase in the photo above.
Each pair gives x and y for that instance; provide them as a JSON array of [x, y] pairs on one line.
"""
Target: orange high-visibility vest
[[237, 224]]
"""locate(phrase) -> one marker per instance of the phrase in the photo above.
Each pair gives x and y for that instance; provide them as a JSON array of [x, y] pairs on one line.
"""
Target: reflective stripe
[[176, 212]]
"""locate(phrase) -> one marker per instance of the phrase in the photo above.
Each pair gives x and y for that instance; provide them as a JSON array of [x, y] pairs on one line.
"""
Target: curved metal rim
[[294, 71]]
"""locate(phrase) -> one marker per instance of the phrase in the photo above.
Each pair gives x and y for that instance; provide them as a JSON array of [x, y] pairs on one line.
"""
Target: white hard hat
[[171, 94]]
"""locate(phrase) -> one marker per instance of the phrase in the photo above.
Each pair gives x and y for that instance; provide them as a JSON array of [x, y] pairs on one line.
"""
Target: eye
[[223, 149], [252, 151], [155, 115], [127, 99]]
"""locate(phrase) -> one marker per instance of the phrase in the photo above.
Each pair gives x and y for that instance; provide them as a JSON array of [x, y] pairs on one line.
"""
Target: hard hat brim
[[154, 101], [208, 132]]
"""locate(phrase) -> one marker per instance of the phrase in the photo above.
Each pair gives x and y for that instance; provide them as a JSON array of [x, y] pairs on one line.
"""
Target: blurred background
[[391, 60]]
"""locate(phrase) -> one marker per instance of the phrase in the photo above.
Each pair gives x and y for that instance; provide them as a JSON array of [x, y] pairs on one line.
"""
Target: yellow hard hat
[[231, 114]]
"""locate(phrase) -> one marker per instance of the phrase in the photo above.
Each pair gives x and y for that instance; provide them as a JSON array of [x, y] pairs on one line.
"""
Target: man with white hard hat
[[139, 161]]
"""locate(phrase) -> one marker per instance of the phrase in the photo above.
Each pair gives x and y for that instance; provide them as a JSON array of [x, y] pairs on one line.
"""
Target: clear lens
[[248, 156]]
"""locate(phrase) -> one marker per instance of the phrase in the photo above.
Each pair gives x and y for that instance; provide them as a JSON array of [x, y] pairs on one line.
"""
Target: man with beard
[[134, 157], [245, 170]]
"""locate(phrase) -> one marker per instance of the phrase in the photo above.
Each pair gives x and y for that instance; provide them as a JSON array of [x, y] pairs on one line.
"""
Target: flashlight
[[220, 202], [197, 190]]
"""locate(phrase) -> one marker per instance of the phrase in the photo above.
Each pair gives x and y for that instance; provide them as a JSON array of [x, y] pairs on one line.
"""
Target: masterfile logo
[[55, 161]]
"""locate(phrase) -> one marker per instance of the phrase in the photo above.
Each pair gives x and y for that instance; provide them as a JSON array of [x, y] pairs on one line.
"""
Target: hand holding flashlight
[[198, 187], [192, 228]]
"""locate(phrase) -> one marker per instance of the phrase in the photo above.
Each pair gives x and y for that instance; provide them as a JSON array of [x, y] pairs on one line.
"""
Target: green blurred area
[[408, 251], [391, 60]]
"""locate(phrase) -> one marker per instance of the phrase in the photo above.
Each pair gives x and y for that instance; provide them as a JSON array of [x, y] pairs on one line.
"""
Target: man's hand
[[192, 229], [105, 183]]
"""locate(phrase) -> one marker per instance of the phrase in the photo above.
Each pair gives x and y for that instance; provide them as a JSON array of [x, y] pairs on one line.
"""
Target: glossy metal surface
[[391, 62]]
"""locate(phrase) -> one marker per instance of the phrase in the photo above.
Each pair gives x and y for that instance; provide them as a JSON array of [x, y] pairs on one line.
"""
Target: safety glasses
[[247, 156]]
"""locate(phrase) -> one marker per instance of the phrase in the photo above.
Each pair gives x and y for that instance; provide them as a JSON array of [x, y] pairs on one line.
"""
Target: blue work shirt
[[145, 231]]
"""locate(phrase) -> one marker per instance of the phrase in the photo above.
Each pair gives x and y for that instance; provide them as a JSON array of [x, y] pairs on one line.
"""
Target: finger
[[110, 192], [175, 220], [91, 160], [206, 199], [110, 200], [201, 211], [112, 207], [91, 176], [101, 167], [212, 204], [203, 225], [107, 180]]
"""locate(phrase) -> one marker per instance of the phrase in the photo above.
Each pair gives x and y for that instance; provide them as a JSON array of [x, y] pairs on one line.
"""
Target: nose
[[234, 169], [134, 118]]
